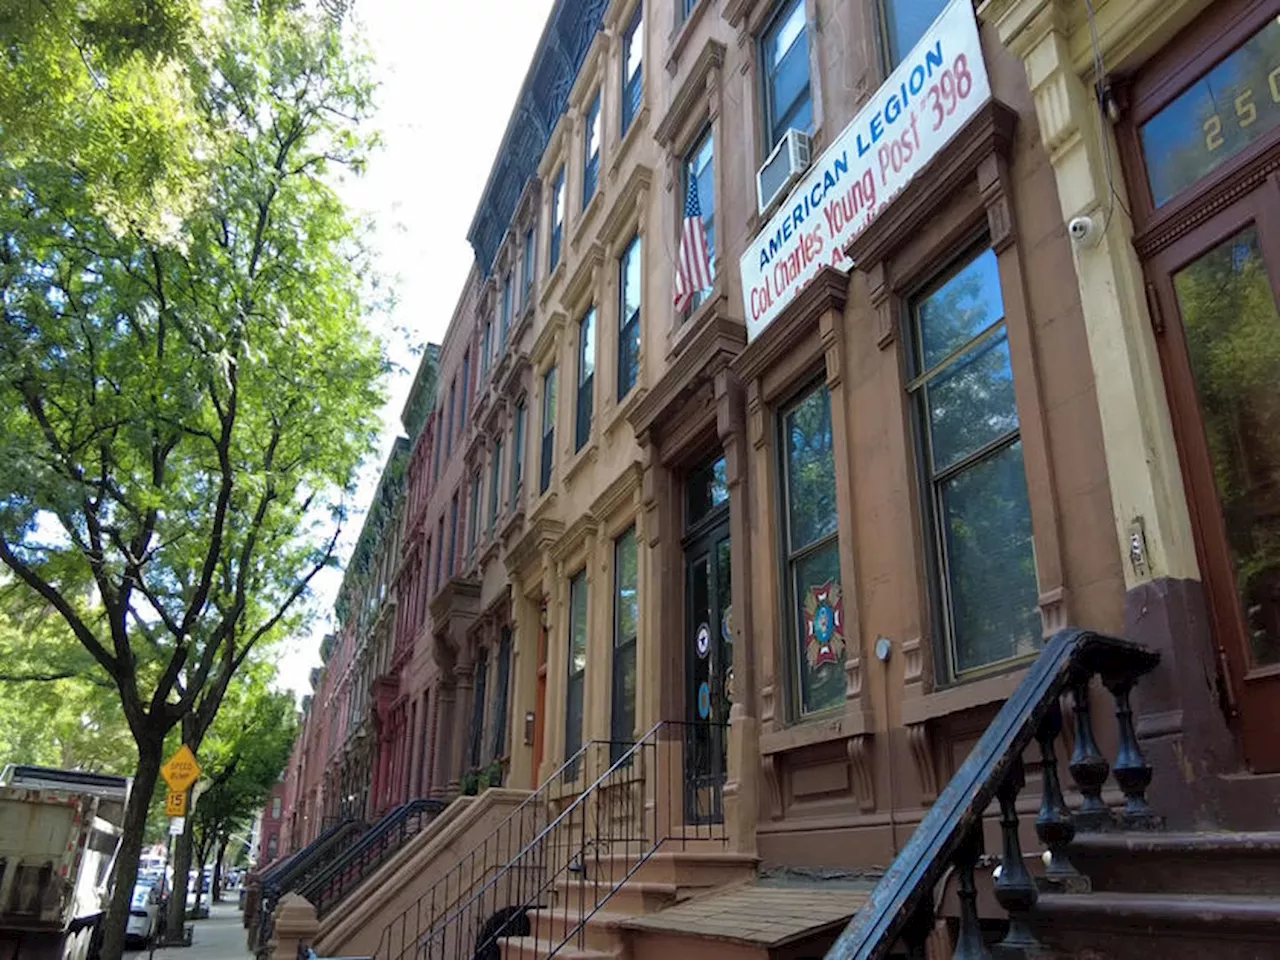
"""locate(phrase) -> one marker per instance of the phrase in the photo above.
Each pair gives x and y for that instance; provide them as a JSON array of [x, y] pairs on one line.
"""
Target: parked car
[[144, 912]]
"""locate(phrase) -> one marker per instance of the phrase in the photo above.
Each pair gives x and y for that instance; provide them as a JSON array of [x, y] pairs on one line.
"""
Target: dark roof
[[561, 50]]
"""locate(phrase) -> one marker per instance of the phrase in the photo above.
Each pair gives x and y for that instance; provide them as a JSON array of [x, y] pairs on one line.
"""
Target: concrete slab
[[221, 937]]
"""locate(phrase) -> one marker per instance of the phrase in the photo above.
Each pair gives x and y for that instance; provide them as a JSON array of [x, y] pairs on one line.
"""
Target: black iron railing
[[290, 874], [664, 791], [901, 909], [497, 849], [342, 875]]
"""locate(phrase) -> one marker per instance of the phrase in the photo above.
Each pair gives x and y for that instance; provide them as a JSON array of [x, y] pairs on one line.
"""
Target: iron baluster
[[1015, 890], [1131, 770], [969, 942], [1088, 767]]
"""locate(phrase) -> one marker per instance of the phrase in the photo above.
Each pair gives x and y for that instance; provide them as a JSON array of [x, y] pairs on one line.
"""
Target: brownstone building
[[743, 594]]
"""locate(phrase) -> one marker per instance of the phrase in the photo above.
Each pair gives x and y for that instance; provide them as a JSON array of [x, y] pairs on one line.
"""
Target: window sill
[[638, 122], [679, 336], [589, 212], [588, 454], [823, 728], [544, 503], [963, 696], [679, 38], [624, 409]]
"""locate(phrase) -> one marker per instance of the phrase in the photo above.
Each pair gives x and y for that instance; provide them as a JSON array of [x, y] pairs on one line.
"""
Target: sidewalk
[[221, 937]]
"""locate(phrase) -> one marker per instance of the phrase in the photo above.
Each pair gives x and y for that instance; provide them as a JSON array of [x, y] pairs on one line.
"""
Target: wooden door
[[540, 706], [1217, 289]]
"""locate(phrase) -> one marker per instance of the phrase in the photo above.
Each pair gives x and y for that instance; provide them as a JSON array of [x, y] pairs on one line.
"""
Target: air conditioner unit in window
[[789, 159]]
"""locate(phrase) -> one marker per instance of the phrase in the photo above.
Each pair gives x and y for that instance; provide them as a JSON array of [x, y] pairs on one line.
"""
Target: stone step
[[633, 897], [602, 930], [1138, 926], [529, 948], [1180, 863], [684, 869]]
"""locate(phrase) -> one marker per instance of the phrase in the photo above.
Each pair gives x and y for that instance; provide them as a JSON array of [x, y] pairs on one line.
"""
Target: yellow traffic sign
[[175, 804], [181, 771]]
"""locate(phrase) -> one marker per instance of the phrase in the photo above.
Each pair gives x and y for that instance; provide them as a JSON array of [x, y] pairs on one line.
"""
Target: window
[[685, 7], [632, 68], [903, 23], [498, 716], [811, 551], [586, 378], [517, 455], [784, 56], [557, 220], [577, 667], [486, 347], [629, 283], [983, 562], [276, 804], [591, 152], [548, 429], [453, 534], [475, 756], [273, 846], [437, 443], [426, 582], [466, 390], [626, 615], [439, 550], [526, 271], [453, 389], [473, 513], [495, 484], [506, 313], [699, 165]]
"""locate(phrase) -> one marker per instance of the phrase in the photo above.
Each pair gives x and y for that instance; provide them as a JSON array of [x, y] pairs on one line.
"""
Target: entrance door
[[708, 645], [1218, 289], [540, 701]]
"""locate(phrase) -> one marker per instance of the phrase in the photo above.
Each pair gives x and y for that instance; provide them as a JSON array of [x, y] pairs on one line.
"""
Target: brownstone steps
[[602, 931], [1210, 863], [1138, 926], [528, 948]]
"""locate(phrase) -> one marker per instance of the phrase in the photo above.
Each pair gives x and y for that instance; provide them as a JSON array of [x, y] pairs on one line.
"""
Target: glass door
[[708, 645], [1222, 367]]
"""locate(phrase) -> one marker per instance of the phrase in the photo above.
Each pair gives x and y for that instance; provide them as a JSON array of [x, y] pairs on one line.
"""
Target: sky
[[448, 75]]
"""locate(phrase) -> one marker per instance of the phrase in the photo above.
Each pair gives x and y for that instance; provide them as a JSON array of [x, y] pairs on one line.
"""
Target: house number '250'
[[1246, 113]]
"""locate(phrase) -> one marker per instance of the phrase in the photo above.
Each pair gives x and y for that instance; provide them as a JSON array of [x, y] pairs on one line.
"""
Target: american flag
[[693, 264]]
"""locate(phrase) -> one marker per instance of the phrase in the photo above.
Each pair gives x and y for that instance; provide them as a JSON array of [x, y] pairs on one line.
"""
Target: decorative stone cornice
[[628, 209], [691, 93], [544, 347], [580, 532], [990, 132], [523, 559], [582, 283], [620, 495], [712, 348], [827, 291]]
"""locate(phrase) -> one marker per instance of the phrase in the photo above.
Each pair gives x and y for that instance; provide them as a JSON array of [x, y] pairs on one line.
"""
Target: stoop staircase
[[630, 835], [1114, 884]]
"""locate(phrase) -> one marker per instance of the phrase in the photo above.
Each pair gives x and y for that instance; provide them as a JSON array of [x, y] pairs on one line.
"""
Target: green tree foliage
[[245, 753], [185, 396], [57, 706]]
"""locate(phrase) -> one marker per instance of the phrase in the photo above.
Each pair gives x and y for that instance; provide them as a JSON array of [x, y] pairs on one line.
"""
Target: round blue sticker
[[704, 700]]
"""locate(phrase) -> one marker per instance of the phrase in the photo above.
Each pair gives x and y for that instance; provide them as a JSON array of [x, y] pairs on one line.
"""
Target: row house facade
[[924, 418]]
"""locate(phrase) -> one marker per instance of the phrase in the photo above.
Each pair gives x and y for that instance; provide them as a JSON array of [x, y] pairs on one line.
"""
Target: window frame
[[453, 390], [527, 267], [705, 135], [495, 484], [622, 646], [550, 400], [631, 103], [790, 558], [466, 388], [630, 330], [439, 550], [502, 696], [928, 499], [591, 159], [573, 736], [453, 535], [507, 304], [517, 450], [768, 109], [889, 59], [486, 346], [584, 402], [559, 209], [473, 512], [475, 749]]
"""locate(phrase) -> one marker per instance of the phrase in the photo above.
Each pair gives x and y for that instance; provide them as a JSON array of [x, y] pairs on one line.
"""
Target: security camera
[[1084, 231]]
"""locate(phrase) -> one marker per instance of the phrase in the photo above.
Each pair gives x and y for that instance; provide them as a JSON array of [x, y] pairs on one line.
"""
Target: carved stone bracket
[[852, 677], [766, 703], [920, 740], [772, 799], [861, 762]]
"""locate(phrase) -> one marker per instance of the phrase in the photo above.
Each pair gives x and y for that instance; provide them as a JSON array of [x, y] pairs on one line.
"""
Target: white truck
[[59, 833]]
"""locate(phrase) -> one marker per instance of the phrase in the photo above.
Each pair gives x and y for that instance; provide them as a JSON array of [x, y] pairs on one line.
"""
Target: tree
[[183, 412], [245, 754]]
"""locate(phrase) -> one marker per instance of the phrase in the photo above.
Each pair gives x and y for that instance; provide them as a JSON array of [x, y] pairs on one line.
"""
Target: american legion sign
[[936, 89]]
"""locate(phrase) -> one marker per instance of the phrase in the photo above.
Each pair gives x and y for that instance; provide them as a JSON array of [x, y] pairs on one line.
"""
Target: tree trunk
[[182, 851], [217, 869], [135, 826]]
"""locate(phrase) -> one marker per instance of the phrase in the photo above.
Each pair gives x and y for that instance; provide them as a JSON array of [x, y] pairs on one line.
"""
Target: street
[[221, 937]]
